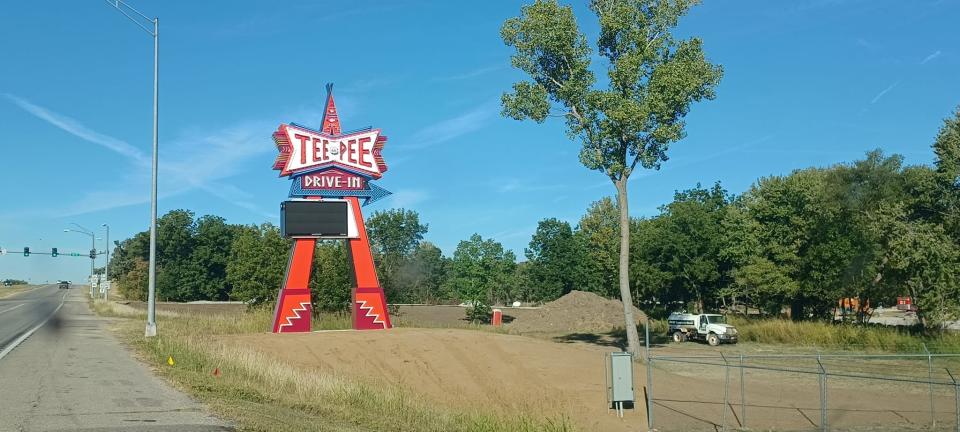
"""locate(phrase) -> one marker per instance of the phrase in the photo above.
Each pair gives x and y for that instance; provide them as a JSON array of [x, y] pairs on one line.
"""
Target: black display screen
[[313, 218]]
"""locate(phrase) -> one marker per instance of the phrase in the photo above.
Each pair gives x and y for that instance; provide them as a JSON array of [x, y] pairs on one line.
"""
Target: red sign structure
[[326, 164]]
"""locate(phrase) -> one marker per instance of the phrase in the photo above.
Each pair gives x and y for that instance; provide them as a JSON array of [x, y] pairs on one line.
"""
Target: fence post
[[823, 395], [743, 397], [933, 416], [956, 395], [649, 376], [726, 391]]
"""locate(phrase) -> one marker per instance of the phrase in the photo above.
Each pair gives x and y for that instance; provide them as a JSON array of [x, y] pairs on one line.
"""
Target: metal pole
[[106, 267], [956, 395], [726, 392], [933, 416], [93, 262], [151, 329], [823, 395], [743, 396], [122, 7], [649, 376]]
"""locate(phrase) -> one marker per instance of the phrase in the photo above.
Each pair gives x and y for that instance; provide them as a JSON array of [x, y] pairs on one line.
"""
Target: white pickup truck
[[712, 328]]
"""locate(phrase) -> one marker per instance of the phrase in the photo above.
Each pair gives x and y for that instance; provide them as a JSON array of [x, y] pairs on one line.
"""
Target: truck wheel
[[679, 337], [713, 339]]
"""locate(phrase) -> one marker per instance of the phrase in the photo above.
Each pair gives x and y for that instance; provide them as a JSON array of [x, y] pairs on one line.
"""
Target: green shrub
[[481, 312]]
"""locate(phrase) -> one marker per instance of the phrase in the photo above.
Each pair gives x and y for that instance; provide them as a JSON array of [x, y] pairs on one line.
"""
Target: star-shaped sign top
[[306, 150]]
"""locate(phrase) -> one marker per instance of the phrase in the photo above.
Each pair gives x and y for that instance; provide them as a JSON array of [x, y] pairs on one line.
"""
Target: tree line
[[874, 228]]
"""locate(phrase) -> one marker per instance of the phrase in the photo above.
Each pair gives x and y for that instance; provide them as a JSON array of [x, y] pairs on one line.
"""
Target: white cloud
[[77, 129], [452, 128], [931, 57], [188, 163], [884, 92]]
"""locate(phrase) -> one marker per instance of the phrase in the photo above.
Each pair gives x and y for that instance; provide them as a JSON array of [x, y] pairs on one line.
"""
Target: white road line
[[30, 332], [8, 310]]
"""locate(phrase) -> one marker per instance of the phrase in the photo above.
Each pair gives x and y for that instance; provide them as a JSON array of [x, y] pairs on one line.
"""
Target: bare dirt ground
[[446, 316], [575, 312], [488, 370], [690, 396], [468, 369]]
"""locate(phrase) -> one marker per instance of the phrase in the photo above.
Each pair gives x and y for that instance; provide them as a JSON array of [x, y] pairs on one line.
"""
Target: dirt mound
[[576, 312]]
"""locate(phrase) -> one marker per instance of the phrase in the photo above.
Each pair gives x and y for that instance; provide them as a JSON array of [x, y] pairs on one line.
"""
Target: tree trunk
[[796, 309], [633, 339]]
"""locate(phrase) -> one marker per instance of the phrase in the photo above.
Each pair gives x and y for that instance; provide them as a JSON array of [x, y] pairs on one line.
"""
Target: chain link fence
[[721, 389]]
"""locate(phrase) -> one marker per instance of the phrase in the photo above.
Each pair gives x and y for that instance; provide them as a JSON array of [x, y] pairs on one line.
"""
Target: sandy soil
[[474, 369], [466, 369], [446, 316], [576, 312], [469, 368]]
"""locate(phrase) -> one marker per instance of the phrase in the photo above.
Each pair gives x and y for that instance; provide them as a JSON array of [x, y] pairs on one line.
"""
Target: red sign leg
[[293, 304], [369, 302]]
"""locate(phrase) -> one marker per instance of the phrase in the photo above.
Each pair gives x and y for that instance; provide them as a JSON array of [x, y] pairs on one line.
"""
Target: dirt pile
[[576, 312]]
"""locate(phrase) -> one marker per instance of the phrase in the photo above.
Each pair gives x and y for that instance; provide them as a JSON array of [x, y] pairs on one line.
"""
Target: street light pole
[[93, 248], [106, 267], [151, 329]]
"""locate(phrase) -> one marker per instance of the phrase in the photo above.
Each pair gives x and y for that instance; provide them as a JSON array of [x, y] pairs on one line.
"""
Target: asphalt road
[[21, 313], [72, 374]]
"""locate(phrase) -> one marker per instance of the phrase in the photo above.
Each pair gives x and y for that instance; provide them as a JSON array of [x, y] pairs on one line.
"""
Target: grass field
[[260, 393], [832, 336], [821, 335], [8, 291]]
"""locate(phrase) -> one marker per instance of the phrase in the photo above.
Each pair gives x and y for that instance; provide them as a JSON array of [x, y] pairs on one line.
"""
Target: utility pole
[[106, 267], [122, 7], [93, 251]]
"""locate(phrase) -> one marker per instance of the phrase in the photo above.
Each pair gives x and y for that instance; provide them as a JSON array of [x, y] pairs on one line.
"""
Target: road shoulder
[[73, 374]]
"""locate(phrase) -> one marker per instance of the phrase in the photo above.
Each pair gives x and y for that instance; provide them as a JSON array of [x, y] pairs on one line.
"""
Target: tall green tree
[[258, 257], [946, 147], [423, 274], [689, 242], [598, 235], [394, 236], [554, 259], [652, 79], [330, 280], [481, 271], [178, 277], [211, 252]]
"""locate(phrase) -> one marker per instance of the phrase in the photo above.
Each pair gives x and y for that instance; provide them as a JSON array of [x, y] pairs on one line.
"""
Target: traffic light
[[26, 251], [93, 254], [54, 252]]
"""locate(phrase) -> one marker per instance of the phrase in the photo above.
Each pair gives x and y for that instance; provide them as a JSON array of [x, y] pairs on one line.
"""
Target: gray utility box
[[620, 380]]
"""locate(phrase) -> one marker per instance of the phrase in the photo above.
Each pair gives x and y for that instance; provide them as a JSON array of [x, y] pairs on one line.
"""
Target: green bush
[[481, 312]]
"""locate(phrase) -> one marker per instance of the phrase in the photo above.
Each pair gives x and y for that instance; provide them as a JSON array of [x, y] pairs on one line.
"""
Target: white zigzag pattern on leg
[[376, 317], [296, 312]]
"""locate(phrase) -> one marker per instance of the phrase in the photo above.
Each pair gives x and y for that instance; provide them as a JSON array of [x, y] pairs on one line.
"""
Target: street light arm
[[78, 232], [82, 228], [119, 5]]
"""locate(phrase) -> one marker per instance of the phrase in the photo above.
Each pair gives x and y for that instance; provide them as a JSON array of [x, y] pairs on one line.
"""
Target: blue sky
[[806, 83]]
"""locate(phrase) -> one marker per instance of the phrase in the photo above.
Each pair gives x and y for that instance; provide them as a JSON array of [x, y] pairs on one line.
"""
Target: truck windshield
[[716, 319]]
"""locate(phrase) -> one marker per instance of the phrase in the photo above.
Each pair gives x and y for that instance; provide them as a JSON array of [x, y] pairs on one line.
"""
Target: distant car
[[64, 285]]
